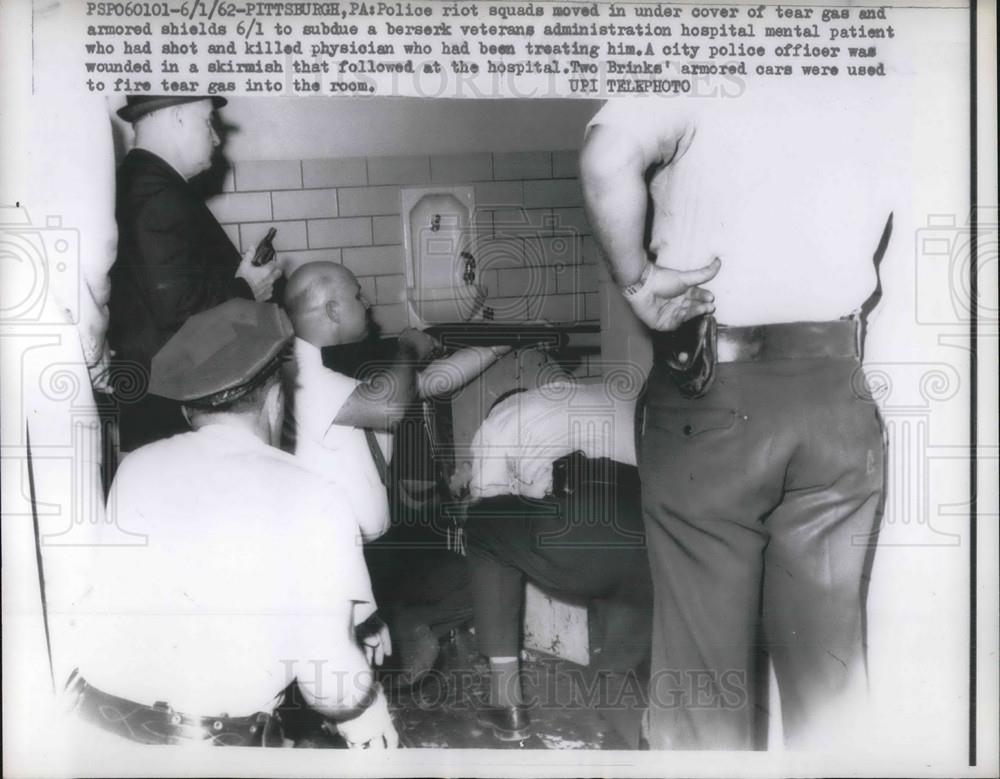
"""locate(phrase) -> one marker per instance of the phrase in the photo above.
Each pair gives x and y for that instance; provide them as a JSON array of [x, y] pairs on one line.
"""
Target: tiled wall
[[534, 252]]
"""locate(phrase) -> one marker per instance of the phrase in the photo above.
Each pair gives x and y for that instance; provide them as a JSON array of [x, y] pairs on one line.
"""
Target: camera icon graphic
[[946, 260], [35, 260]]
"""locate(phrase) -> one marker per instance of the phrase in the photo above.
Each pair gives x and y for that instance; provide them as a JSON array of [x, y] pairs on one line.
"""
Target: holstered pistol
[[689, 353]]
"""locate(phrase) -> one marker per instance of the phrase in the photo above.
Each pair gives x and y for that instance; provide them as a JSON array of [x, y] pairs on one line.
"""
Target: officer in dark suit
[[174, 259]]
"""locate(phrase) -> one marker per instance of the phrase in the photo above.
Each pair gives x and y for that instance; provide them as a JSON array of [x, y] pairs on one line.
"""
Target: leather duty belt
[[793, 341], [160, 724], [691, 352]]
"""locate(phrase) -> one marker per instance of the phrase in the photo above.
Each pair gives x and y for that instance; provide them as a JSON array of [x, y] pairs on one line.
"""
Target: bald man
[[334, 325], [338, 422], [354, 390]]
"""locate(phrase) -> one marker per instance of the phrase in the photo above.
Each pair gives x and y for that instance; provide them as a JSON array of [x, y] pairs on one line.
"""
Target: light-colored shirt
[[791, 187], [338, 452], [514, 448], [213, 579]]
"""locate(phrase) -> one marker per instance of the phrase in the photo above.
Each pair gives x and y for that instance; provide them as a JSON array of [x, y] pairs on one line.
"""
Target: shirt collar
[[307, 353], [232, 433]]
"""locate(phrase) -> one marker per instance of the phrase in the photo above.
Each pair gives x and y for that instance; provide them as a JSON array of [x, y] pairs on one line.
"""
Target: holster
[[690, 353]]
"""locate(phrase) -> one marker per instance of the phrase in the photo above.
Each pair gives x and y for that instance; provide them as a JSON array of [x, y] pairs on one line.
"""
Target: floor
[[570, 707], [568, 704]]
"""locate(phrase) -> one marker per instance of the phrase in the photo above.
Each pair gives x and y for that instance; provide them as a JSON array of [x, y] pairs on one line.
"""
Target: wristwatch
[[633, 289]]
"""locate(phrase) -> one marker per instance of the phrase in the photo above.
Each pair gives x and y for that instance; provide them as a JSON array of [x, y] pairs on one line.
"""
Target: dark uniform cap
[[137, 106], [221, 349]]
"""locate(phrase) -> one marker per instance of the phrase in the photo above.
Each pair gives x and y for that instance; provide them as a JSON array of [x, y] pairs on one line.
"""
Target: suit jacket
[[174, 259]]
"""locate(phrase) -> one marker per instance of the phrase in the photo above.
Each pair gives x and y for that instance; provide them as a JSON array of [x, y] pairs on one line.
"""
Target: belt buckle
[[728, 350], [741, 344], [174, 717]]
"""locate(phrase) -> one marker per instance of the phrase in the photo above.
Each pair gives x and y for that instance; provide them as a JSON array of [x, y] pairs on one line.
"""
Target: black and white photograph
[[499, 388]]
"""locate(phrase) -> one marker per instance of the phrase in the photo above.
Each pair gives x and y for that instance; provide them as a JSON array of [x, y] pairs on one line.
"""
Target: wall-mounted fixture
[[439, 241]]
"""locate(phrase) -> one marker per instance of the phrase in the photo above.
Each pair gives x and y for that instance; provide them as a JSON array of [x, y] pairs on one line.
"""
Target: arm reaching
[[613, 167], [449, 374], [380, 403]]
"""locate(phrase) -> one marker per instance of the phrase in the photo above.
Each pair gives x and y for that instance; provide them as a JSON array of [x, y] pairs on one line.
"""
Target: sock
[[505, 682]]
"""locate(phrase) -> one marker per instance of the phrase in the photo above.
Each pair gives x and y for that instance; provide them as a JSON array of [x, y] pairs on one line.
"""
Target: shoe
[[508, 723]]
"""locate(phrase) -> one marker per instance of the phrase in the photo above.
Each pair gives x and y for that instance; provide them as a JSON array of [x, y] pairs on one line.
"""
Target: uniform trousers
[[761, 502]]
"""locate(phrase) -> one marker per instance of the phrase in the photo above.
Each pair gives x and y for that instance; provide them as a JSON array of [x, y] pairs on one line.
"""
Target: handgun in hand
[[265, 249]]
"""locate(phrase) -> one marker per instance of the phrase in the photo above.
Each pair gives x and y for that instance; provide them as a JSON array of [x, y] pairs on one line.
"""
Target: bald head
[[312, 284], [326, 305]]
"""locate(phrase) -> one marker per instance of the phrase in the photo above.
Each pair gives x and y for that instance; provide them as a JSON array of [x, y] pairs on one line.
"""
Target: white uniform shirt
[[790, 186], [214, 581], [513, 450], [337, 452]]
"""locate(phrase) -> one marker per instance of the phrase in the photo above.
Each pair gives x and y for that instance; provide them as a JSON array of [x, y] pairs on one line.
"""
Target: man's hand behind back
[[669, 298]]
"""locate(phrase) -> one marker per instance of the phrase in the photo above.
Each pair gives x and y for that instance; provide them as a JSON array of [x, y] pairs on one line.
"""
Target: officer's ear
[[177, 114], [274, 397], [332, 311], [274, 410]]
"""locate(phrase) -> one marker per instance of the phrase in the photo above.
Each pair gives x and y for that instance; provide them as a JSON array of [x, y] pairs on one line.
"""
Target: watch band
[[633, 289]]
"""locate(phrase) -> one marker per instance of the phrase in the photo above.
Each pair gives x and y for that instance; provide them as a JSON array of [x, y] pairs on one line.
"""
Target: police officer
[[174, 259], [761, 463], [227, 569]]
